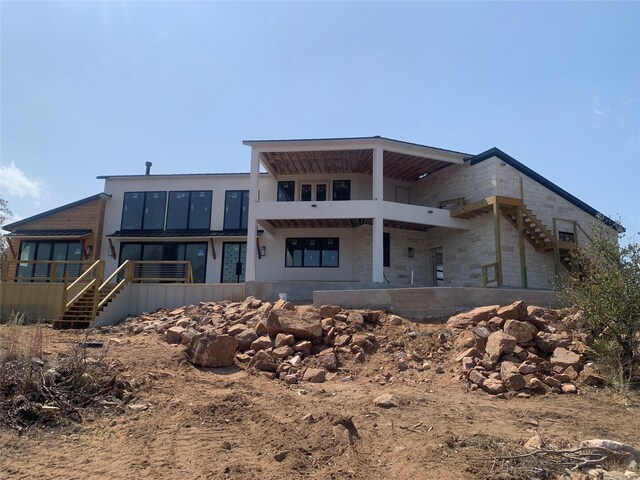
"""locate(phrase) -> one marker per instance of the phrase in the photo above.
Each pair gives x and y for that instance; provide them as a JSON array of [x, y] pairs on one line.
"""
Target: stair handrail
[[539, 224], [118, 270], [86, 272], [96, 268], [126, 267], [82, 292]]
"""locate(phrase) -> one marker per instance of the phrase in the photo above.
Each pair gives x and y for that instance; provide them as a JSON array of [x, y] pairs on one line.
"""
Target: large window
[[143, 210], [312, 252], [316, 192], [236, 209], [286, 191], [50, 251], [342, 189], [195, 252], [189, 210]]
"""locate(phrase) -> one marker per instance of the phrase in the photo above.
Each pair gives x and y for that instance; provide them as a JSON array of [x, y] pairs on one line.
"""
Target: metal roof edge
[[53, 211]]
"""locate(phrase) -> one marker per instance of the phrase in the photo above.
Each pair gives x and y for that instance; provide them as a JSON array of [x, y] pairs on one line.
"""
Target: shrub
[[607, 290]]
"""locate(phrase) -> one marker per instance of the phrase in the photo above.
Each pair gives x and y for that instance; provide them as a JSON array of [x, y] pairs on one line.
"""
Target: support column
[[378, 172], [523, 260], [377, 233], [498, 240], [252, 228], [377, 263]]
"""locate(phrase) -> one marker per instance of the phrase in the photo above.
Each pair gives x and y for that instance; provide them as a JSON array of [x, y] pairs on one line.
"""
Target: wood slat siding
[[35, 300], [89, 215]]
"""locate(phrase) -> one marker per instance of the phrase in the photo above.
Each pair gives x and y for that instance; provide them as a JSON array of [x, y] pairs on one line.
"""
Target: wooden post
[[523, 260], [496, 231]]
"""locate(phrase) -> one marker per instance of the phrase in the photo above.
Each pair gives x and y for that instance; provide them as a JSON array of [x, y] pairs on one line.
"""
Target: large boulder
[[263, 361], [499, 343], [511, 377], [211, 350], [304, 324], [548, 342], [565, 358], [246, 338], [472, 317], [515, 311], [522, 331]]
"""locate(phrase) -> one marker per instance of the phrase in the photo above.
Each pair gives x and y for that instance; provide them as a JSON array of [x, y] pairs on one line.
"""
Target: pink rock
[[210, 350], [499, 343], [515, 311], [564, 358], [521, 331], [472, 317], [173, 335]]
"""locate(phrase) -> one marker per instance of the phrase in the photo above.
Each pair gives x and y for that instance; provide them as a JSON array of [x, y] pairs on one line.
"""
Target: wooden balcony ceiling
[[396, 165]]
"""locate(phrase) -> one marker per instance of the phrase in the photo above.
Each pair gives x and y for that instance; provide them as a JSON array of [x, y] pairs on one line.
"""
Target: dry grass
[[21, 341]]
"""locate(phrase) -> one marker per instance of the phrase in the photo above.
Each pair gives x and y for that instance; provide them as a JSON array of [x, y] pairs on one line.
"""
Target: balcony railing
[[44, 271]]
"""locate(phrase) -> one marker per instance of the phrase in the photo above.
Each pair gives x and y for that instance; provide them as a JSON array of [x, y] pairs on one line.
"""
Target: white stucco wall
[[218, 184], [272, 266]]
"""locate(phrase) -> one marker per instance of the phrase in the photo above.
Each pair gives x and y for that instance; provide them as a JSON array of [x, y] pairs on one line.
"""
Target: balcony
[[318, 214]]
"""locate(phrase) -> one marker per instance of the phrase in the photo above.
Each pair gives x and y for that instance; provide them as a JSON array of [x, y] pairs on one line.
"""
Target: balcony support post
[[377, 257], [252, 229]]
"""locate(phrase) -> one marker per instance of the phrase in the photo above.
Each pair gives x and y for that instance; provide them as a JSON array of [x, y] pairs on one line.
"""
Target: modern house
[[327, 213]]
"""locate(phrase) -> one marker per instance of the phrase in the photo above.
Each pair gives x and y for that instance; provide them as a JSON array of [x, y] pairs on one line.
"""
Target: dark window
[[47, 252], [178, 213], [143, 210], [236, 209], [196, 253], [305, 192], [132, 211], [566, 237], [321, 192], [386, 250], [189, 210], [286, 191], [200, 212], [312, 252], [342, 189]]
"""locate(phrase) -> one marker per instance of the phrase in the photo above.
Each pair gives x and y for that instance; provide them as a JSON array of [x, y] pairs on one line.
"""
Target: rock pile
[[276, 340], [517, 350]]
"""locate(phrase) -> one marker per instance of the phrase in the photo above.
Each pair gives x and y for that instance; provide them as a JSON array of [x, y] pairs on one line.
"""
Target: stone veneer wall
[[546, 205]]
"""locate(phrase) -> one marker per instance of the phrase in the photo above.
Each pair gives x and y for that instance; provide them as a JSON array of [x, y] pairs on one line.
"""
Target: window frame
[[314, 191], [144, 207], [333, 190], [293, 190], [322, 242], [242, 199], [188, 223]]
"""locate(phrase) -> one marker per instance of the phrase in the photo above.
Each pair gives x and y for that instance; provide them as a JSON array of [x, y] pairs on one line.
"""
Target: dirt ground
[[196, 423]]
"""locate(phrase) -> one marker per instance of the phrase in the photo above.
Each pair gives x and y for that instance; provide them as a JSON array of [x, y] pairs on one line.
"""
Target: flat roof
[[354, 140]]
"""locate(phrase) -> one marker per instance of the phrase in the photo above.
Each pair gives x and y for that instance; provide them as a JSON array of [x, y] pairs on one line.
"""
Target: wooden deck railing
[[44, 271]]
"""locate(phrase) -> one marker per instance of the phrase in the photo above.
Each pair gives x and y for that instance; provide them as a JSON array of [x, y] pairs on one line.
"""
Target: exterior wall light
[[88, 250], [263, 251], [410, 252]]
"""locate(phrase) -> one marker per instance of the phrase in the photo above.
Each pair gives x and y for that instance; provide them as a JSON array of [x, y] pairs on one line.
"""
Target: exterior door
[[234, 259]]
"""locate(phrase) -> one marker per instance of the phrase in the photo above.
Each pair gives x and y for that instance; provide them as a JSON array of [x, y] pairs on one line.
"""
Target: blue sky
[[94, 88]]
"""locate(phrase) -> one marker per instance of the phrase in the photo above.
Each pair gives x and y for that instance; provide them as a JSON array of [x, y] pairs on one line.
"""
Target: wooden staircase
[[81, 312], [94, 295], [530, 227]]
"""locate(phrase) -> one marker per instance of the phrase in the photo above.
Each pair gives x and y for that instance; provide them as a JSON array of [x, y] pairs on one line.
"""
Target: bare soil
[[187, 422]]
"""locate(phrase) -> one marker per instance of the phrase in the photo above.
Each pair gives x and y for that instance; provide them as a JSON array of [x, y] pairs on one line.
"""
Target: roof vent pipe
[[148, 165]]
